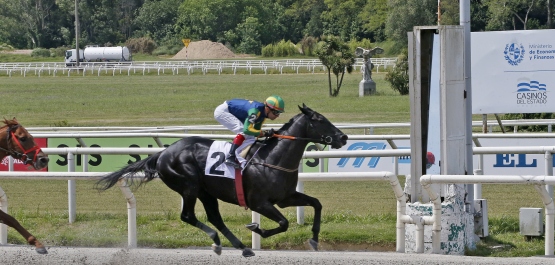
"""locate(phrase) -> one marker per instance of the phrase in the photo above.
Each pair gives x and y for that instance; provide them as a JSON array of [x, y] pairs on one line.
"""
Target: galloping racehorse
[[16, 141], [270, 177]]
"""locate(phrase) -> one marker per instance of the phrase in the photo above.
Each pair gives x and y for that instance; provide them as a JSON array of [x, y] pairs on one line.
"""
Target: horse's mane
[[287, 125], [10, 122]]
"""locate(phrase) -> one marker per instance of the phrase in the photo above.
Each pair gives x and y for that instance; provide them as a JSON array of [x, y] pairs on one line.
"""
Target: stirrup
[[230, 161]]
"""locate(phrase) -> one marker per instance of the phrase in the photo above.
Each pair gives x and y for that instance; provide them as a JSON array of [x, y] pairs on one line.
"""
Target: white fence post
[[131, 213], [71, 191], [3, 227]]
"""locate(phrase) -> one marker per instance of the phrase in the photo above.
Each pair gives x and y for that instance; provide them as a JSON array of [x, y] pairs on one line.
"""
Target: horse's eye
[[23, 139]]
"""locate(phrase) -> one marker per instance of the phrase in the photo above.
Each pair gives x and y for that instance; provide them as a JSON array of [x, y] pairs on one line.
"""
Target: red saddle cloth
[[239, 188]]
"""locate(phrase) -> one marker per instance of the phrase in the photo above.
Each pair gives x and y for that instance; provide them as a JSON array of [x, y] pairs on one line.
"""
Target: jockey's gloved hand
[[269, 133]]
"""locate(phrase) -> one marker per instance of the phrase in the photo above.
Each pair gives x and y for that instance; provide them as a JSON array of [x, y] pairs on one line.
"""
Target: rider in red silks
[[245, 118]]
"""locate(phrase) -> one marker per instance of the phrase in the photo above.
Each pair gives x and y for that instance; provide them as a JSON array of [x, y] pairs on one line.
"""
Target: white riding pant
[[224, 117]]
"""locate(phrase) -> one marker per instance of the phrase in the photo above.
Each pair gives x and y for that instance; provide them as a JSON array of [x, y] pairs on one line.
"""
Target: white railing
[[132, 240], [539, 183], [401, 218], [175, 67], [368, 128]]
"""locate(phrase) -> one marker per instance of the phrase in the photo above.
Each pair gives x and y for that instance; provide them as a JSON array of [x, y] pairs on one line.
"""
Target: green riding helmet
[[276, 103]]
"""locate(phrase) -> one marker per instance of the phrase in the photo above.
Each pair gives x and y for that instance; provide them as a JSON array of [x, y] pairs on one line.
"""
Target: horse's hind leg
[[211, 207], [188, 216], [268, 210], [301, 199], [11, 222]]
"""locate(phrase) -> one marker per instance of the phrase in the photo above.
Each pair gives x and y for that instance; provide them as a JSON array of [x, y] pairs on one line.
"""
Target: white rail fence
[[71, 176], [539, 183], [368, 128], [80, 136], [177, 67], [402, 218]]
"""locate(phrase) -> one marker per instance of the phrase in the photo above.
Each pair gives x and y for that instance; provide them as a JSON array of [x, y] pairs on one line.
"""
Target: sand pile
[[204, 49]]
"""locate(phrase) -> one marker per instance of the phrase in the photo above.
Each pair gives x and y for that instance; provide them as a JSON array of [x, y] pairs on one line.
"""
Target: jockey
[[245, 118]]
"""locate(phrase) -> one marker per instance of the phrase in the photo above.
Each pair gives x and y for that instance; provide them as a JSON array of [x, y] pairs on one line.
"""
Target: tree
[[373, 17], [450, 12], [513, 14], [336, 56], [250, 39], [301, 18], [398, 77], [156, 19], [340, 18], [405, 14], [30, 17]]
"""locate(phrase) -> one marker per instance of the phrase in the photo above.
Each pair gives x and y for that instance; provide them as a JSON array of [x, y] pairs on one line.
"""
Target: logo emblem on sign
[[514, 53], [530, 92], [526, 85]]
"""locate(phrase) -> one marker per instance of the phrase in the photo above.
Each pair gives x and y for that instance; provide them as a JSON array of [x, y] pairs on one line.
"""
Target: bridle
[[21, 156], [324, 139]]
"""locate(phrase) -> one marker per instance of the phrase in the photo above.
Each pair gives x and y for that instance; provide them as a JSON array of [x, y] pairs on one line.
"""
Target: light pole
[[76, 35]]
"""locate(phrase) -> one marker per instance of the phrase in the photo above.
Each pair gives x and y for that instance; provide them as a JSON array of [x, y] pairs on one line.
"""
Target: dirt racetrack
[[15, 255]]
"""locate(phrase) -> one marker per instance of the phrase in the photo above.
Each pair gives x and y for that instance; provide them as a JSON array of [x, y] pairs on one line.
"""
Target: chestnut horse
[[16, 141], [269, 178]]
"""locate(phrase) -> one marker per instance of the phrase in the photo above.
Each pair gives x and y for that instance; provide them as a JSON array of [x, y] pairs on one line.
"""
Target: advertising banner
[[495, 164], [97, 162], [513, 164], [18, 164], [109, 163], [370, 164], [512, 71], [313, 165]]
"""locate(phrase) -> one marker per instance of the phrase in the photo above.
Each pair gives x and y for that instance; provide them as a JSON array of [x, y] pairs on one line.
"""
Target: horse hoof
[[217, 249], [247, 252], [41, 250], [313, 244], [252, 226]]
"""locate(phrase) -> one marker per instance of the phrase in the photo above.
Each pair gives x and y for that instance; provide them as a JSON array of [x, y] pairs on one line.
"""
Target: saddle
[[215, 166]]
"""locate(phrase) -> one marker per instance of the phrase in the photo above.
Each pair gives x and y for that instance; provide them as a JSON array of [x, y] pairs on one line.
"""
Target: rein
[[323, 140], [275, 167], [22, 156]]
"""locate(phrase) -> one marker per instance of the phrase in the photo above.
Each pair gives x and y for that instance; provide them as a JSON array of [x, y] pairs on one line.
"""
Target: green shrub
[[308, 45], [40, 52], [280, 49], [398, 77], [59, 52], [174, 49], [162, 50], [6, 47], [268, 50], [285, 48], [167, 50], [141, 45]]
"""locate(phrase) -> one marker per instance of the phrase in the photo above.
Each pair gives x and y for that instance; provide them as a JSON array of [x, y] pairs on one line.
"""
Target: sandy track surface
[[108, 256]]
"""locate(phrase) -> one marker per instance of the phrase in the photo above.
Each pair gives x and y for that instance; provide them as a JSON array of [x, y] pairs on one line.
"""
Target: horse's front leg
[[31, 240], [301, 199]]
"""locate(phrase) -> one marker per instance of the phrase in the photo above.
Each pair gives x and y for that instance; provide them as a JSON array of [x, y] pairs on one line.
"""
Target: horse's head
[[319, 127], [21, 145]]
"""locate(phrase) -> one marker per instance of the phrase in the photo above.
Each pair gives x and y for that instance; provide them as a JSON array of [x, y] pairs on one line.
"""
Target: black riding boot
[[231, 159]]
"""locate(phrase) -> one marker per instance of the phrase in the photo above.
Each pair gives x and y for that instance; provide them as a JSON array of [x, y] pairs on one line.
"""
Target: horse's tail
[[147, 165]]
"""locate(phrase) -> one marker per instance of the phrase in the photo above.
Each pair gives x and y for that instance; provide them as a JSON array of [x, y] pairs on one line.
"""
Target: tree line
[[248, 25]]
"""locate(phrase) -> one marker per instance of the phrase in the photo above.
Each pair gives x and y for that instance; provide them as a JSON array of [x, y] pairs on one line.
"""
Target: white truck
[[98, 54]]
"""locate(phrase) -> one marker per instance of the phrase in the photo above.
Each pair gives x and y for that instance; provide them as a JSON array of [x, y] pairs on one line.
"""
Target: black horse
[[269, 178]]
